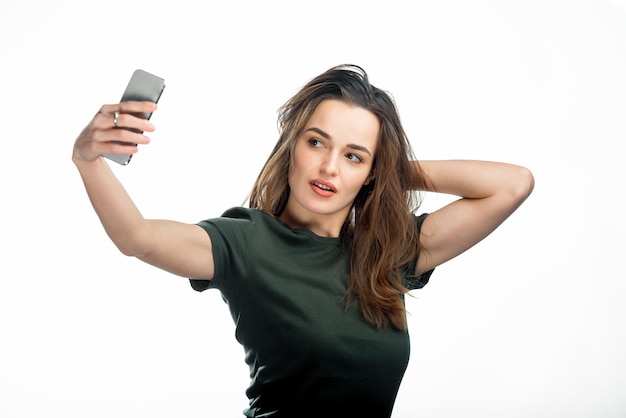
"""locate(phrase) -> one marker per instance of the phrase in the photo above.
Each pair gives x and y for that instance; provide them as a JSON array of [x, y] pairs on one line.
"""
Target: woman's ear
[[369, 178]]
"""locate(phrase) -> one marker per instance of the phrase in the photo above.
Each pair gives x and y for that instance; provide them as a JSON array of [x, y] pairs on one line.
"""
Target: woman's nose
[[330, 165]]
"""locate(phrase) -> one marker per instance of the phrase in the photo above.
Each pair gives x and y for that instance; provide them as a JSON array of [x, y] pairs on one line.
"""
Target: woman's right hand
[[111, 124]]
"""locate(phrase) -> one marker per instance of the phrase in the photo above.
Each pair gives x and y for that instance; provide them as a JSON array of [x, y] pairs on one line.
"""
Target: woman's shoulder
[[241, 212], [240, 217]]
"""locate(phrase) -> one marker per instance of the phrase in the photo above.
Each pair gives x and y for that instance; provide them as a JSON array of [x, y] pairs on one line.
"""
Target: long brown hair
[[380, 233]]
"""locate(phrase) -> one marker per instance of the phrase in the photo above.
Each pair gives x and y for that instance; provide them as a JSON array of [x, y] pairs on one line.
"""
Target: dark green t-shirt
[[308, 356]]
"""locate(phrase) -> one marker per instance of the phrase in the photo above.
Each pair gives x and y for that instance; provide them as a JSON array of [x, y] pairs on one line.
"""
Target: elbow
[[132, 245], [129, 250], [523, 183]]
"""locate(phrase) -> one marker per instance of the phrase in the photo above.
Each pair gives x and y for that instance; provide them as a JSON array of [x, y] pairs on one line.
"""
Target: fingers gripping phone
[[142, 87]]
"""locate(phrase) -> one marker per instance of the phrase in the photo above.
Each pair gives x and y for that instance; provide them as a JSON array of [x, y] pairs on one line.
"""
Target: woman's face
[[332, 160]]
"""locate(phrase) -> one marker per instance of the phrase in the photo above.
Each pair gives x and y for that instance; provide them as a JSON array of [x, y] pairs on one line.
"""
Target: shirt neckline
[[304, 231]]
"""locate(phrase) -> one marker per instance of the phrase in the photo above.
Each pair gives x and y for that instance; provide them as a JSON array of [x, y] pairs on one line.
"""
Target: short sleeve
[[417, 282], [229, 235]]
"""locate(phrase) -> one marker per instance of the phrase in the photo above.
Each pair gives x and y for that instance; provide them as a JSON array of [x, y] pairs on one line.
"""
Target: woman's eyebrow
[[360, 148], [327, 136], [319, 132]]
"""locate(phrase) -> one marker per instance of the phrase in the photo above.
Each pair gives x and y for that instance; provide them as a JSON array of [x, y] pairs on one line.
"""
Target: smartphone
[[142, 87]]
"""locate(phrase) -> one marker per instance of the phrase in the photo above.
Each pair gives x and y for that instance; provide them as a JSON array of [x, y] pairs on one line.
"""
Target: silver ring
[[115, 116]]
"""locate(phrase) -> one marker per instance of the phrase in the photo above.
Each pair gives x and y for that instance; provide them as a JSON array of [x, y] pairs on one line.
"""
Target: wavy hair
[[380, 234]]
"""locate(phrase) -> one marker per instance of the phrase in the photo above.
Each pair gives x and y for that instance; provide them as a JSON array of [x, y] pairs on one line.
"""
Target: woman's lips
[[323, 188]]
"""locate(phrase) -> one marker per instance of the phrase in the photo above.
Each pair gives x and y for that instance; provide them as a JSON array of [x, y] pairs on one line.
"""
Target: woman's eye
[[316, 143], [355, 158]]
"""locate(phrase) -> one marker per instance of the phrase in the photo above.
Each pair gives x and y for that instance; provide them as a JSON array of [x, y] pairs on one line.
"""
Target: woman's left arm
[[489, 193]]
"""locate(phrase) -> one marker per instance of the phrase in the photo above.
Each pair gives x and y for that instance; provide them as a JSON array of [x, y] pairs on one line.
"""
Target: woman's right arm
[[180, 248]]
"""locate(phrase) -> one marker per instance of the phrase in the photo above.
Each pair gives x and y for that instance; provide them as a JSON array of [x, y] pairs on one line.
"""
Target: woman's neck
[[321, 225]]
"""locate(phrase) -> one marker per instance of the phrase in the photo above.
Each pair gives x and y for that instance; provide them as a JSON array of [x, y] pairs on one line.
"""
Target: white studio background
[[529, 323]]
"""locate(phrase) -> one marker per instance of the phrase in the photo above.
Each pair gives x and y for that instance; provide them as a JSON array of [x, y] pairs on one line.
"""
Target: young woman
[[315, 270]]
